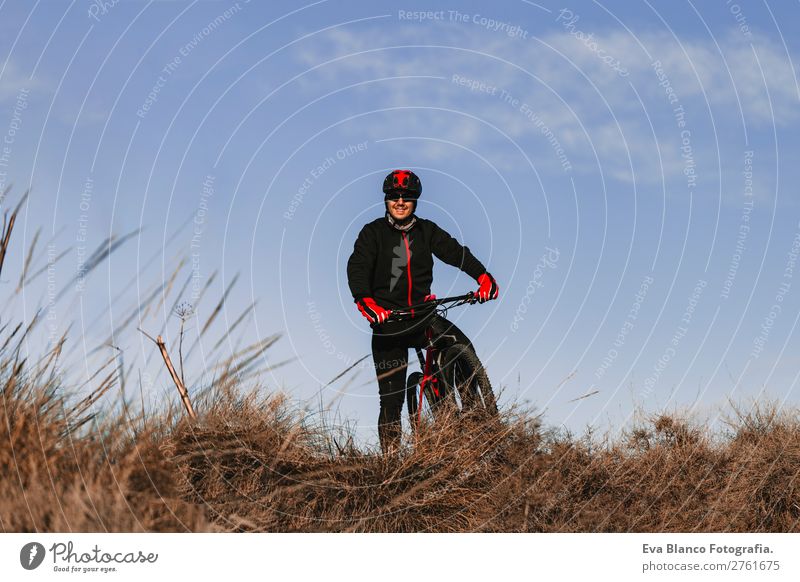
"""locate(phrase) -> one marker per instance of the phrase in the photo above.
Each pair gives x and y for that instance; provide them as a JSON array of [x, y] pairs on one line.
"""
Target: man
[[392, 267]]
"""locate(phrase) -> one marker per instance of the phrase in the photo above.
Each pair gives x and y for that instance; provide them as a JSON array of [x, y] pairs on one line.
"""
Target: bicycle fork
[[426, 364]]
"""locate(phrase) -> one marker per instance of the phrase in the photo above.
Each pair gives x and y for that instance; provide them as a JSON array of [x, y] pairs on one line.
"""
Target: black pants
[[390, 354]]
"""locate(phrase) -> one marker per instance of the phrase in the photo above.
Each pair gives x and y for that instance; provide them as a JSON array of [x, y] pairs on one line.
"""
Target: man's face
[[400, 209]]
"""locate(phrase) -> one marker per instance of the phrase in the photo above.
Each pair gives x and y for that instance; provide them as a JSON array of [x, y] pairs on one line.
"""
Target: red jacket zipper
[[408, 269]]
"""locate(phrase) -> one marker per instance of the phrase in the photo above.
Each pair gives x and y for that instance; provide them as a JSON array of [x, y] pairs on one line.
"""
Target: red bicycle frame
[[427, 375], [427, 362]]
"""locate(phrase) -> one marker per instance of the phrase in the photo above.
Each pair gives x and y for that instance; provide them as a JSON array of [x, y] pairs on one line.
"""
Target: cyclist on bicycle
[[391, 268]]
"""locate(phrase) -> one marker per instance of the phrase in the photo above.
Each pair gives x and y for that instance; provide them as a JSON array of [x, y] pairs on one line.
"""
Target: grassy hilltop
[[251, 462]]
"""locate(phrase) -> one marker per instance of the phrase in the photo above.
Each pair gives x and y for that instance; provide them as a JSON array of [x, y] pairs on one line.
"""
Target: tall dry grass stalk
[[177, 380]]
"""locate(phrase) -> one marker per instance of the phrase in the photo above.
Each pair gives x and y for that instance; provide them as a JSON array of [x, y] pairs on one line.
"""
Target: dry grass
[[250, 462]]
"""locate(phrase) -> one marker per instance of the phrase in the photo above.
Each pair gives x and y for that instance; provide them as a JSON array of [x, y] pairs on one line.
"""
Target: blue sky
[[624, 170]]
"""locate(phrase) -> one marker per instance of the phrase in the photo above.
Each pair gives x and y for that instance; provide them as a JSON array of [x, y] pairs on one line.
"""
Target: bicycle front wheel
[[412, 396], [466, 377], [433, 398]]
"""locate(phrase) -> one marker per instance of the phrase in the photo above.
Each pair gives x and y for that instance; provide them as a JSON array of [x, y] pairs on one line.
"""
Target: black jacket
[[396, 268]]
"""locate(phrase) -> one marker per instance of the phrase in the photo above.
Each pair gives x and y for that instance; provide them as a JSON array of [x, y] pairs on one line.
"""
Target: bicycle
[[452, 374]]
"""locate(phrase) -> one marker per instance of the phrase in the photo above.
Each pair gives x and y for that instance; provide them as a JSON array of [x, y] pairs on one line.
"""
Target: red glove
[[430, 298], [488, 288], [372, 311]]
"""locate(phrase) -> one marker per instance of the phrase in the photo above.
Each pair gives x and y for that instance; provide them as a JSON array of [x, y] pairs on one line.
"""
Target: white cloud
[[578, 96], [13, 80]]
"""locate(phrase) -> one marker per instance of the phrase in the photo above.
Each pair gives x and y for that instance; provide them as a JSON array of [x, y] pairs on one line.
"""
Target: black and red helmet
[[404, 182]]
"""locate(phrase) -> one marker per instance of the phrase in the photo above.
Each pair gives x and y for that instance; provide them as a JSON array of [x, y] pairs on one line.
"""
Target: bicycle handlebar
[[406, 312]]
